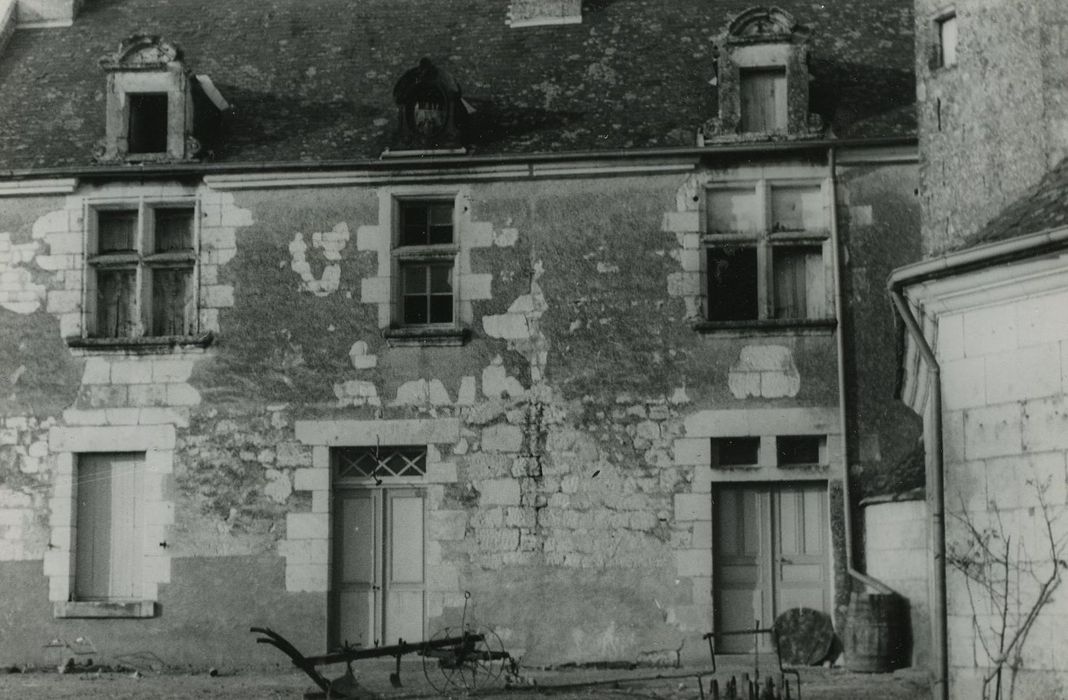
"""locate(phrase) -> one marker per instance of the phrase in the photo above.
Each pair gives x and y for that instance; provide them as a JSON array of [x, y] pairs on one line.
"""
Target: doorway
[[771, 553], [378, 586]]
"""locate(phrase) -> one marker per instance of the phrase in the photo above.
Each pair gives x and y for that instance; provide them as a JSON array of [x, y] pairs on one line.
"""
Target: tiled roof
[[312, 80], [1044, 206]]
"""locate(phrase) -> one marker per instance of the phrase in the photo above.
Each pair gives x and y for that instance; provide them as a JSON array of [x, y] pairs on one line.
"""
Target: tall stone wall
[[993, 124]]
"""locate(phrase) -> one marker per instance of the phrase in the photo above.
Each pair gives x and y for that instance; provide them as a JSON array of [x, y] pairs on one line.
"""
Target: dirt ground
[[817, 684]]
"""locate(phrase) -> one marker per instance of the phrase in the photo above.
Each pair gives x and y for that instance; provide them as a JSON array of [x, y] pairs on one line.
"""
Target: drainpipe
[[839, 304], [935, 498]]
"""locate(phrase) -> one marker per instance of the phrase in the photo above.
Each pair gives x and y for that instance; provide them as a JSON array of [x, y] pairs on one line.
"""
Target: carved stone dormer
[[157, 111], [431, 113], [763, 79]]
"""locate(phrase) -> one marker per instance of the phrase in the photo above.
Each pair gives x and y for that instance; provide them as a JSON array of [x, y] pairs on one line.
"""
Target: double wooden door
[[378, 587], [771, 553]]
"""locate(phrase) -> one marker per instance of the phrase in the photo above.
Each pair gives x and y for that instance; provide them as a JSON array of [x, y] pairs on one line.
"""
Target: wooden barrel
[[877, 633]]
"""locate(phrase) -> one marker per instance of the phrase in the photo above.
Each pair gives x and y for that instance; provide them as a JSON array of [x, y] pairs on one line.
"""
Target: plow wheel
[[469, 666]]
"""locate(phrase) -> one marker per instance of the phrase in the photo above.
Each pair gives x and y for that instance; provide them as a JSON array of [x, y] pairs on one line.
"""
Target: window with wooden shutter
[[142, 271], [763, 93]]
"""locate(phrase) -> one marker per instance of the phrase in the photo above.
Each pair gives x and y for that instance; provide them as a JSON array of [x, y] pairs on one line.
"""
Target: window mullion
[[144, 277], [765, 286]]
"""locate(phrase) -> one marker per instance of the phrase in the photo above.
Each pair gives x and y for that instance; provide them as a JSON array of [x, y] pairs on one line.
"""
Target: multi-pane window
[[142, 263], [425, 255], [947, 39], [766, 248], [763, 97]]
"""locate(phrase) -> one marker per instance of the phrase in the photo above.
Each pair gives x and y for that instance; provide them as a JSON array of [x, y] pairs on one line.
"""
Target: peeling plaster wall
[[568, 438]]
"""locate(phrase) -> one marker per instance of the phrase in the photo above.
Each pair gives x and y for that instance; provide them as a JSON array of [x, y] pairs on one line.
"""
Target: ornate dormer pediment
[[762, 78], [142, 52], [157, 110], [764, 24]]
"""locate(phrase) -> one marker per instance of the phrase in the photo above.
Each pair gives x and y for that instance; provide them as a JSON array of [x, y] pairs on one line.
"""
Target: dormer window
[[762, 79], [431, 114], [147, 131], [763, 99], [156, 109]]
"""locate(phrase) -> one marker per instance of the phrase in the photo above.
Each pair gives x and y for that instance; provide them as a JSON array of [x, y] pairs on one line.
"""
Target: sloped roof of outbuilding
[[1044, 206], [311, 80]]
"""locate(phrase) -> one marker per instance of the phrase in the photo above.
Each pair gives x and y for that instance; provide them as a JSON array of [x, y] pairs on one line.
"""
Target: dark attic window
[[148, 123], [735, 451], [796, 450]]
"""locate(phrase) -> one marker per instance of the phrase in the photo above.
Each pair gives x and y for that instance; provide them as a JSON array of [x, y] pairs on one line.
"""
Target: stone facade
[[568, 480]]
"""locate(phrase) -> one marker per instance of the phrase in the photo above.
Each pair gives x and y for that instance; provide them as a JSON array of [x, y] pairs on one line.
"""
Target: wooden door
[[378, 591], [110, 527], [771, 554], [802, 548]]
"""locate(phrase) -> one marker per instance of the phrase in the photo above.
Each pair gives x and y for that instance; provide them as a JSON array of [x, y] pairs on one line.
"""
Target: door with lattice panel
[[378, 585]]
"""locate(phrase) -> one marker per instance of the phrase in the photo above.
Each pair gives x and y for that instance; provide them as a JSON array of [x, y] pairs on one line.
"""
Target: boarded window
[[799, 281], [173, 305], [797, 208], [110, 527], [794, 450], [173, 229], [735, 451], [733, 211], [947, 40], [732, 283], [379, 462], [148, 123], [142, 273], [116, 231], [763, 93], [116, 303]]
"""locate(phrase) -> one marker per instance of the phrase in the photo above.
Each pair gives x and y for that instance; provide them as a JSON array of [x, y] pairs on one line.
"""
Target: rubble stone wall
[[568, 482]]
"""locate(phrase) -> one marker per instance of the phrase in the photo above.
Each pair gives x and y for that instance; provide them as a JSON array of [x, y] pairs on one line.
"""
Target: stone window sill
[[135, 609], [151, 344], [426, 336], [792, 326]]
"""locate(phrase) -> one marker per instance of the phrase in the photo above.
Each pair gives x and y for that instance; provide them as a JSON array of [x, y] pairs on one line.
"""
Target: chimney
[[47, 13], [534, 13]]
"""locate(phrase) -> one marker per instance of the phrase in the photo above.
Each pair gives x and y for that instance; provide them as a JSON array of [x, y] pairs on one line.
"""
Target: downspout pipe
[[839, 303], [936, 500]]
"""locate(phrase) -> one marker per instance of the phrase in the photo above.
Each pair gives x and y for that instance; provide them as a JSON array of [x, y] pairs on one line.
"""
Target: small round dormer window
[[429, 113], [429, 107]]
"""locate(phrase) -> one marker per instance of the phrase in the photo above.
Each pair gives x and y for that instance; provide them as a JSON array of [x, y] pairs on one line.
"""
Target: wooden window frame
[[764, 239], [143, 260], [426, 255]]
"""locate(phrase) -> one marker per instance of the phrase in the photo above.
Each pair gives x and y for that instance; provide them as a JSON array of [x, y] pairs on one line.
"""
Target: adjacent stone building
[[986, 365], [318, 315]]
